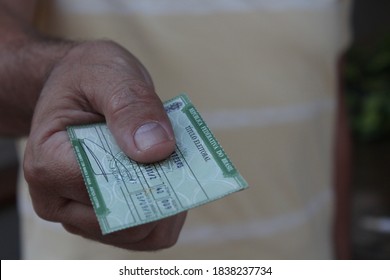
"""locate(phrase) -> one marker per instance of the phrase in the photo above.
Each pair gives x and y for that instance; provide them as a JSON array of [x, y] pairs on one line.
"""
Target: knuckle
[[163, 240], [141, 233], [163, 244], [43, 211], [134, 95], [49, 208], [170, 242], [45, 204], [71, 229], [118, 100], [32, 169], [140, 89]]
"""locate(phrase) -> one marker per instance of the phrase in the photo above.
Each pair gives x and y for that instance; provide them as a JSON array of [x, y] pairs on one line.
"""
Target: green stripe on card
[[89, 178], [208, 138]]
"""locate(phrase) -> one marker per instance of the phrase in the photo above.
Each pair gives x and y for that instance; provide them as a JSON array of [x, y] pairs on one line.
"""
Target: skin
[[47, 84], [342, 176]]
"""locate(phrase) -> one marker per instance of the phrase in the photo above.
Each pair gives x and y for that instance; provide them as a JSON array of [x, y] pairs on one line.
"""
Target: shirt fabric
[[263, 74]]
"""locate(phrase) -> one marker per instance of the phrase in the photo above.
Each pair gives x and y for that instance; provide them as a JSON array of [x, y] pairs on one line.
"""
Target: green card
[[125, 193]]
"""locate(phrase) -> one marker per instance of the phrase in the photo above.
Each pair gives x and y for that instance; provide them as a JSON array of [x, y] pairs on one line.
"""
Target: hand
[[96, 81]]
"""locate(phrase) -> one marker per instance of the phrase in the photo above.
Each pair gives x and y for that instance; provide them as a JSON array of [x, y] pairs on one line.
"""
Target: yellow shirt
[[263, 74]]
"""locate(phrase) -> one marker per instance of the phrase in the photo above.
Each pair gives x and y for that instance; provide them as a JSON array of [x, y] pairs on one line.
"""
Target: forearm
[[26, 58]]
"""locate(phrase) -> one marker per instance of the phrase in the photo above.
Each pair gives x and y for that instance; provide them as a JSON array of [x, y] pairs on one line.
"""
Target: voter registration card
[[125, 193]]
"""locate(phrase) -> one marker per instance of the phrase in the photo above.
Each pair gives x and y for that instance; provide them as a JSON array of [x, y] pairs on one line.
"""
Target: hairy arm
[[26, 58], [48, 84]]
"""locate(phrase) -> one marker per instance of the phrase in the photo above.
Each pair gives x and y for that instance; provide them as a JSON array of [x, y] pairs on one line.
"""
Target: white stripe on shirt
[[257, 229], [168, 7], [261, 117]]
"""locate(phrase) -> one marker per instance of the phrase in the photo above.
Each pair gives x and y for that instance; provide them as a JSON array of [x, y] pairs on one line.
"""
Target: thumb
[[136, 117], [119, 87]]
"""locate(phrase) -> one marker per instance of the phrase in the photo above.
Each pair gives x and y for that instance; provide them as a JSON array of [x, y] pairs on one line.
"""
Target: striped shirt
[[263, 74]]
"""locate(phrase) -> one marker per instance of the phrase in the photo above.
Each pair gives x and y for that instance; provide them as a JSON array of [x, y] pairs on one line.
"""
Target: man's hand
[[96, 81]]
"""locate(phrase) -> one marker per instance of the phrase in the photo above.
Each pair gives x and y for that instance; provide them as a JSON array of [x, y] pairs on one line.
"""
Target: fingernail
[[150, 134]]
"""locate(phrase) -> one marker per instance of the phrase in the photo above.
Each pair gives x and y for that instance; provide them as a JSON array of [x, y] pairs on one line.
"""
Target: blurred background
[[366, 84], [367, 88]]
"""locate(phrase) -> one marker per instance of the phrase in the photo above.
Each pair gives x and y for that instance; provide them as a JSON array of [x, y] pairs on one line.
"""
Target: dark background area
[[370, 189]]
